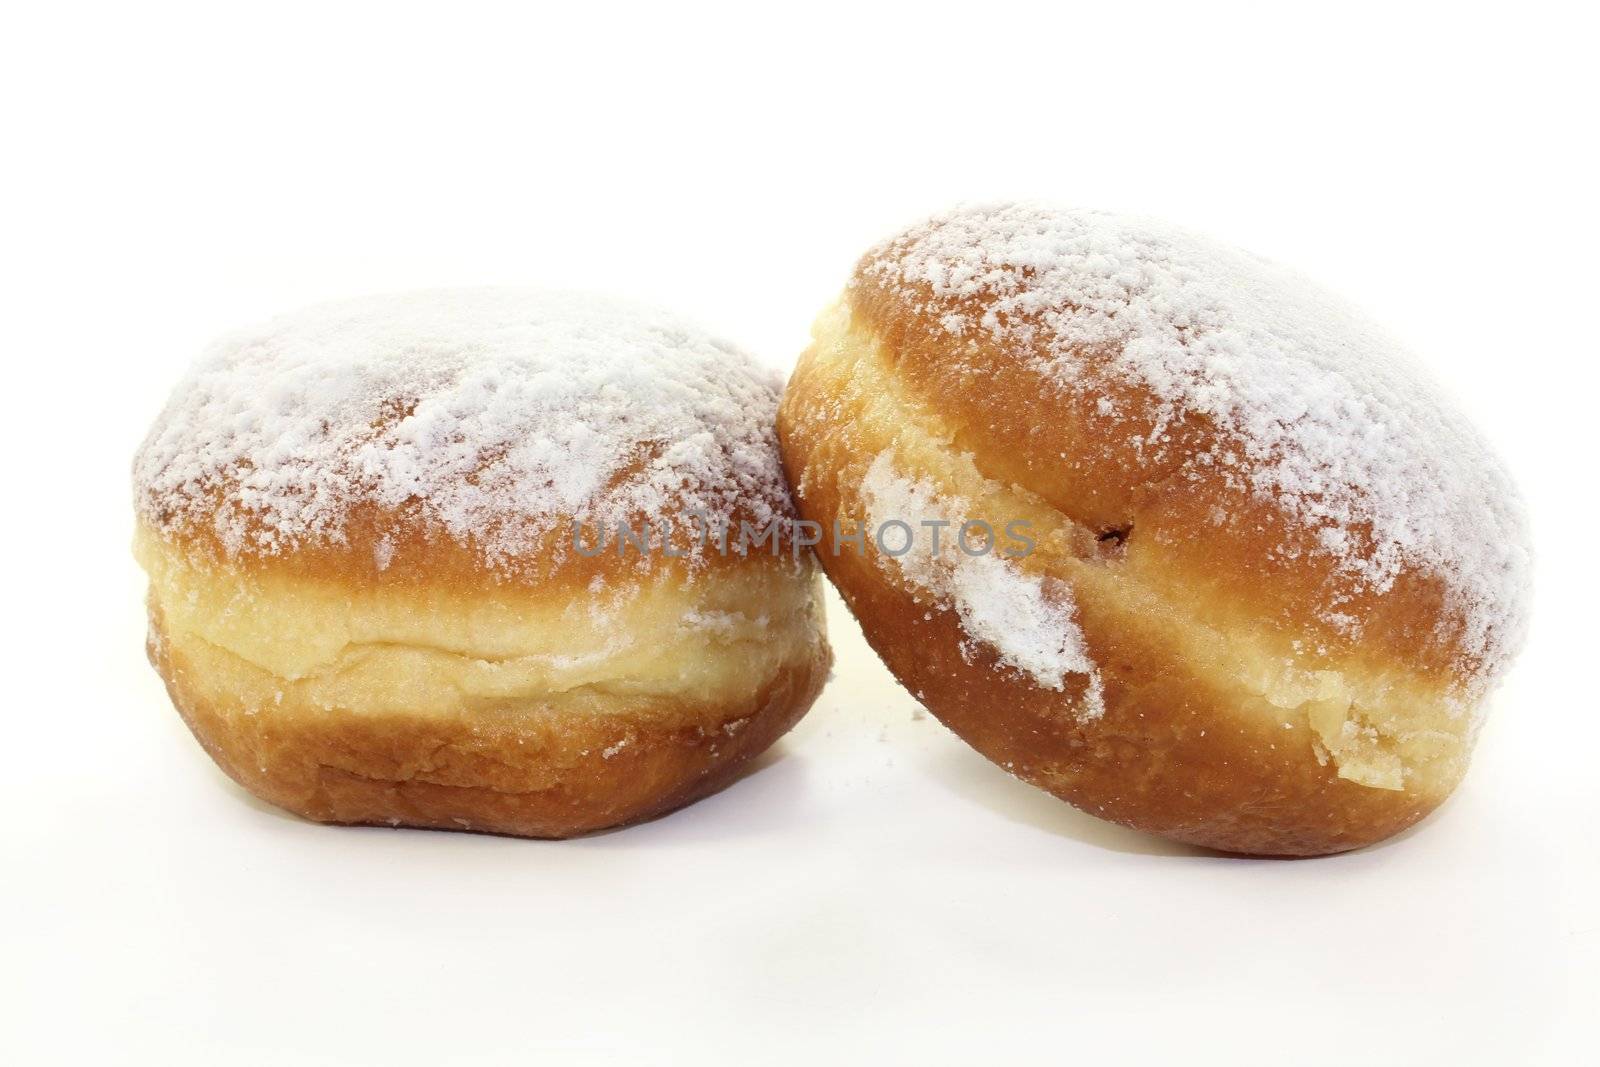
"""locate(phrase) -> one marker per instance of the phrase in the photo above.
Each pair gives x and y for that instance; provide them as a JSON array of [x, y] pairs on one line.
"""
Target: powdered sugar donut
[[446, 560], [1267, 573]]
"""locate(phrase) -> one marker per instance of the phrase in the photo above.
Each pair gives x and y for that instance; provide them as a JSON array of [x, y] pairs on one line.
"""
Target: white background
[[875, 889]]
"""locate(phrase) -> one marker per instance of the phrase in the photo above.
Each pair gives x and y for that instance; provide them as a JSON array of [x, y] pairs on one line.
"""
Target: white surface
[[875, 889]]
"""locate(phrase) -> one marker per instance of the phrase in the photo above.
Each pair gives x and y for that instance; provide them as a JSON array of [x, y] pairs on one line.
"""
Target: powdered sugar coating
[[999, 605], [503, 414], [1332, 419]]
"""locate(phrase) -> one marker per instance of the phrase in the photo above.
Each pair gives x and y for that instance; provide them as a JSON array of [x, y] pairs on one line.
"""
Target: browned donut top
[[464, 429], [1135, 375]]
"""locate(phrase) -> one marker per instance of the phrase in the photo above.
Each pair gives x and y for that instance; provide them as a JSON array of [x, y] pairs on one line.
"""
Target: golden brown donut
[[388, 582], [1273, 573]]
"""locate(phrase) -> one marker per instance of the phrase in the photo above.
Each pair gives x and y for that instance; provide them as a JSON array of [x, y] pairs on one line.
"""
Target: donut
[[450, 560], [1235, 571]]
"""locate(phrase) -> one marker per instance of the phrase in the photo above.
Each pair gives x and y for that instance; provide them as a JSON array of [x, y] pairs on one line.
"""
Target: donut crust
[[544, 774], [336, 739], [1205, 736], [388, 582]]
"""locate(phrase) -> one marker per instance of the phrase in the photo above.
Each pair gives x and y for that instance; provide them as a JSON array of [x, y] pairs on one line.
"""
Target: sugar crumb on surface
[[1314, 407], [500, 413], [1030, 627]]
